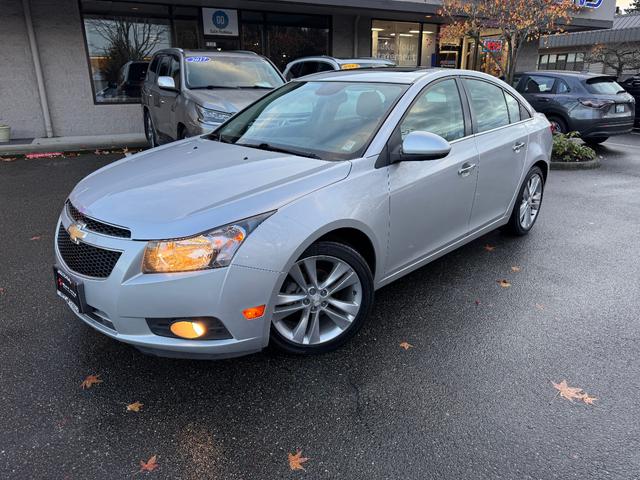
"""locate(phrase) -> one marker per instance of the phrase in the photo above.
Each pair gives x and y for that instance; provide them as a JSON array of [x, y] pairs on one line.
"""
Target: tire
[[299, 298], [150, 131], [558, 124], [518, 225], [182, 132], [595, 140]]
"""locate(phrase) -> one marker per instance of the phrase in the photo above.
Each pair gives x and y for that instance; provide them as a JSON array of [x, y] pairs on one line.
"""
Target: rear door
[[501, 140], [538, 91]]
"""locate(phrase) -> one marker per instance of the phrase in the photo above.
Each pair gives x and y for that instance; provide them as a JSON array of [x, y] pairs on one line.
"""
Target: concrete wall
[[19, 100]]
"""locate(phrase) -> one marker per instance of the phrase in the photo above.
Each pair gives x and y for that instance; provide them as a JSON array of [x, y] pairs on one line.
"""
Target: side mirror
[[166, 83], [419, 145]]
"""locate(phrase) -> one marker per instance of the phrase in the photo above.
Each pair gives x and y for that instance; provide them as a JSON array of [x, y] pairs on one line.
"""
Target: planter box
[[5, 133]]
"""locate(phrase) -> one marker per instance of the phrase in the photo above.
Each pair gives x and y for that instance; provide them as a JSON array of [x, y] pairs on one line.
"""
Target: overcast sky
[[623, 3]]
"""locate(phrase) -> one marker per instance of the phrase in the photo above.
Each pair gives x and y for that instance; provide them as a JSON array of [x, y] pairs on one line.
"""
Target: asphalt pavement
[[472, 398]]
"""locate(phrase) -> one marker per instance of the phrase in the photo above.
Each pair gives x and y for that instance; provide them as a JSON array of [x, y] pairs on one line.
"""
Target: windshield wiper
[[271, 148], [210, 87], [256, 86]]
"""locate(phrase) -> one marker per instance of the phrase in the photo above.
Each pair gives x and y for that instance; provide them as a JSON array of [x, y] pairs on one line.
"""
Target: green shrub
[[567, 149]]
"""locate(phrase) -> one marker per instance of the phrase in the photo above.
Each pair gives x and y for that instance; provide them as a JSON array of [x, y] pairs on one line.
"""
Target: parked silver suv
[[191, 92]]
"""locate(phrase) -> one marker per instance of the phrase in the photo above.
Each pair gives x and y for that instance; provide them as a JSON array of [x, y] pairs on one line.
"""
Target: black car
[[632, 86], [595, 106]]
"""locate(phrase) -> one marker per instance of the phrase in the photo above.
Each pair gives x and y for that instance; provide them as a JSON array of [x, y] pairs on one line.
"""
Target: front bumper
[[121, 303], [199, 128]]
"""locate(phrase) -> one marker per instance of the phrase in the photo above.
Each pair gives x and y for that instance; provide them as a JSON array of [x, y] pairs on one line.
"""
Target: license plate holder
[[70, 291]]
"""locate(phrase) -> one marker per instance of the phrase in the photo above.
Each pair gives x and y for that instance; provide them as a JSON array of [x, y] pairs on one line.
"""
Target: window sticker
[[348, 146], [198, 59]]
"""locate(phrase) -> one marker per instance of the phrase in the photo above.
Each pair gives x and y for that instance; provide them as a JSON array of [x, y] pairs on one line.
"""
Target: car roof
[[566, 73], [403, 75], [208, 52]]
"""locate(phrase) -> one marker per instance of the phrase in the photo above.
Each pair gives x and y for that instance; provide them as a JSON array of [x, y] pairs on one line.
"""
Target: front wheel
[[528, 203], [323, 301], [150, 130]]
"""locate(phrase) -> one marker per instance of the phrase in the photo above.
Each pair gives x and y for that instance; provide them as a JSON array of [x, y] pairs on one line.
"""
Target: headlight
[[207, 115], [212, 249]]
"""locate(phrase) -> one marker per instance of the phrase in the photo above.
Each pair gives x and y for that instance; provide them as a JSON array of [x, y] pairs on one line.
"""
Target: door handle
[[518, 146], [466, 168]]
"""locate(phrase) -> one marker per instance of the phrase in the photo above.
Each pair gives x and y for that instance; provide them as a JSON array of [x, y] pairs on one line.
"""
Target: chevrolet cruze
[[279, 226]]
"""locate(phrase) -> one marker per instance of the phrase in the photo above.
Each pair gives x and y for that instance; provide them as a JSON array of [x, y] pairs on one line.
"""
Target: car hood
[[227, 99], [191, 186]]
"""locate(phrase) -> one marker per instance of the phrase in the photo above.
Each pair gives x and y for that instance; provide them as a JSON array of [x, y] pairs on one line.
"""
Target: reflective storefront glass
[[405, 43]]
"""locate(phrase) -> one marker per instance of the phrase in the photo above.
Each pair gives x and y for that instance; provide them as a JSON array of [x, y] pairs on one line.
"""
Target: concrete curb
[[588, 165], [75, 144]]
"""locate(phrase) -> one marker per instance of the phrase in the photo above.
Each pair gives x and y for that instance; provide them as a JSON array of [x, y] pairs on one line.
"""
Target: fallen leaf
[[90, 380], [134, 407], [477, 302], [567, 392], [8, 159], [587, 399], [35, 237], [31, 156], [515, 269], [539, 306], [406, 345], [296, 460], [2, 291], [489, 248], [503, 283], [150, 465]]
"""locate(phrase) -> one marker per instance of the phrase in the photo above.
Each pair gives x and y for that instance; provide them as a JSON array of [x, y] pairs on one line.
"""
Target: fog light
[[253, 312], [188, 330]]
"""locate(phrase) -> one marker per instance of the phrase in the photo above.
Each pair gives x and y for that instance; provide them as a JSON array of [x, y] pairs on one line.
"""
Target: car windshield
[[328, 120], [217, 71], [604, 86]]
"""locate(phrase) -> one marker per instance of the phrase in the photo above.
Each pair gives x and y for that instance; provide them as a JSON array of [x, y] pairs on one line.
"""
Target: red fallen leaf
[[477, 302], [31, 156], [90, 381], [35, 237], [489, 248], [150, 465], [2, 290], [296, 460]]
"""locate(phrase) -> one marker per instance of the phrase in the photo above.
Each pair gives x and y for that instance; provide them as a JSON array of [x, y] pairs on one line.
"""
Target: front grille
[[95, 225], [86, 259]]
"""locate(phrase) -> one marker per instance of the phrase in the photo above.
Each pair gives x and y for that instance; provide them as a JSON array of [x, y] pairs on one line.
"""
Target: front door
[[168, 98], [501, 140], [430, 201]]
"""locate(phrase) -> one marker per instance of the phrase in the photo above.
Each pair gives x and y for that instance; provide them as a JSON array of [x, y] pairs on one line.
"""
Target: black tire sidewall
[[359, 265], [560, 122], [514, 225]]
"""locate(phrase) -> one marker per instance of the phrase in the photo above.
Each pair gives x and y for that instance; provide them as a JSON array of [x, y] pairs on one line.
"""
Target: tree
[[619, 56], [515, 22], [634, 6]]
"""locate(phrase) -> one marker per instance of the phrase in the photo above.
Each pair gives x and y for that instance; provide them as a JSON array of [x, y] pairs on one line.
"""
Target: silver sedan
[[280, 225]]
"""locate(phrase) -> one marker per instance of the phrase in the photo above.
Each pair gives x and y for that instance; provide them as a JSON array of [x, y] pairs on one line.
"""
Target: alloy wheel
[[531, 200], [319, 300], [151, 135]]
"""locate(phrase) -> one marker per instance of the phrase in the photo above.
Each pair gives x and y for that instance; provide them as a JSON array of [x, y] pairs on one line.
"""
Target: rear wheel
[[528, 203], [323, 301], [558, 125], [595, 140]]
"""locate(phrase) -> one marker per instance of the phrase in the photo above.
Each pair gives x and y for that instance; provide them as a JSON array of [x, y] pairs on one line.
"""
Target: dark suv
[[594, 105], [632, 86]]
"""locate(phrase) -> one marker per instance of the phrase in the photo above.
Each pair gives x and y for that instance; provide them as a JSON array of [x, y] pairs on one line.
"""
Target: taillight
[[595, 102]]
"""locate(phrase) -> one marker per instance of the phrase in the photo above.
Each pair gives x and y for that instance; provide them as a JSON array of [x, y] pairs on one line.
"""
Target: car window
[[488, 105], [603, 85], [165, 66], [308, 68], [331, 120], [514, 107], [174, 71], [294, 71], [562, 87], [438, 110], [538, 84], [153, 68], [324, 67]]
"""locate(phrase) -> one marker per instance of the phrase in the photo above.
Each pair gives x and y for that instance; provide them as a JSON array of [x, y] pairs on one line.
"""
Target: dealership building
[[58, 56]]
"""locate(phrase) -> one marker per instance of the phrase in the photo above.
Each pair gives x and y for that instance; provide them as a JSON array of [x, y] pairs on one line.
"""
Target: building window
[[121, 38], [562, 61], [396, 41]]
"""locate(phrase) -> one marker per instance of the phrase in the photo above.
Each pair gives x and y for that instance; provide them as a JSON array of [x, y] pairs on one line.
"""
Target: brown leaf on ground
[[90, 381], [503, 283], [477, 302], [2, 290], [587, 399], [489, 248], [8, 159], [35, 237], [515, 269], [567, 392], [150, 465], [296, 460], [134, 407], [406, 345]]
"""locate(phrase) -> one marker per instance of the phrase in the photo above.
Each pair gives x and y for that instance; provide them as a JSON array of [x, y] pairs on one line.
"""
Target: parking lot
[[470, 397]]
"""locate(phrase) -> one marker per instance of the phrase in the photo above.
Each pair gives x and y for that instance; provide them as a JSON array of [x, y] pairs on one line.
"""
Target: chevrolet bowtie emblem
[[76, 232]]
